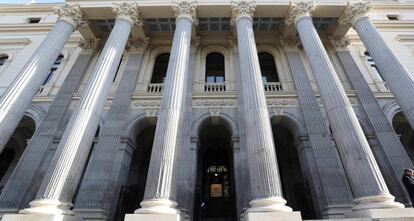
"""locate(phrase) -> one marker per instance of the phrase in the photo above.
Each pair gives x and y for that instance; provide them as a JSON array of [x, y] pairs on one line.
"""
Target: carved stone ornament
[[298, 10], [338, 42], [71, 14], [290, 42], [242, 8], [129, 12], [354, 11], [186, 9], [141, 43], [195, 42], [89, 44]]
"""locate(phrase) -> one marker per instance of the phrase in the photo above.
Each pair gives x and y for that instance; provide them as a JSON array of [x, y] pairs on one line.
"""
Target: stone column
[[399, 80], [396, 158], [364, 176], [265, 183], [21, 180], [160, 190], [57, 189], [99, 192], [325, 168], [18, 96]]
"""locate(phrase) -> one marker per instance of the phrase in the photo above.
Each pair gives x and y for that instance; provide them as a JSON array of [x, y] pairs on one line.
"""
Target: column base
[[157, 206], [397, 213], [269, 204], [152, 217], [385, 201], [48, 206], [272, 216], [40, 217], [336, 211], [91, 214]]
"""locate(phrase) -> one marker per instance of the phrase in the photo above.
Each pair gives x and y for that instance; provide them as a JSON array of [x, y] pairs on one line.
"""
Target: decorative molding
[[89, 44], [71, 14], [243, 8], [290, 42], [299, 10], [354, 11], [147, 104], [233, 43], [15, 41], [338, 42], [282, 102], [187, 9], [216, 103], [129, 12], [151, 112]]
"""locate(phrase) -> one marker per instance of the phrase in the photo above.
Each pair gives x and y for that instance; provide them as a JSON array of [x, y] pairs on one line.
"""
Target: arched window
[[374, 68], [215, 68], [160, 68], [268, 67], [52, 70], [3, 59]]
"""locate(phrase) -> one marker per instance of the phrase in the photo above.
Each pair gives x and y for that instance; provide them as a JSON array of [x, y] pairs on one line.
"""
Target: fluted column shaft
[[400, 81], [397, 158], [265, 183], [20, 93], [57, 189], [366, 181], [160, 186], [21, 180]]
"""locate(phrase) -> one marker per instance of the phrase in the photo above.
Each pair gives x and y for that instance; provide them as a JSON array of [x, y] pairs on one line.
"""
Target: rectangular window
[[393, 17], [34, 20]]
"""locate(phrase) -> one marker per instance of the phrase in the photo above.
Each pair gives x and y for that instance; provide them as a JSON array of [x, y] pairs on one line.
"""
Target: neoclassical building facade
[[221, 110]]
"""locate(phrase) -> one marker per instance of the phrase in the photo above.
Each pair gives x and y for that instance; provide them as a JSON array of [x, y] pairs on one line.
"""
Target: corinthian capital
[[354, 11], [129, 12], [186, 9], [298, 10], [71, 14], [242, 8]]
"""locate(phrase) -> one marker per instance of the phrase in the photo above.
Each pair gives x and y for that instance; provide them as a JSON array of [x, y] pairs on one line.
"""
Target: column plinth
[[20, 93], [59, 185], [364, 176], [264, 175], [160, 190]]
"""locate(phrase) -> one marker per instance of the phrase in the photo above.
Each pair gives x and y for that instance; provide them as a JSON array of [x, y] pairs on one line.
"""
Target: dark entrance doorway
[[295, 187], [132, 194], [406, 133], [214, 199]]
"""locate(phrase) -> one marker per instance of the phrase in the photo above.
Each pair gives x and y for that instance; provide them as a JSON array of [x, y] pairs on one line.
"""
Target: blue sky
[[26, 1]]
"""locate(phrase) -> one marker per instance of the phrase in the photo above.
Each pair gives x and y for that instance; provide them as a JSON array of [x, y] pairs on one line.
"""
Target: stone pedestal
[[40, 217], [383, 214], [273, 216], [153, 217]]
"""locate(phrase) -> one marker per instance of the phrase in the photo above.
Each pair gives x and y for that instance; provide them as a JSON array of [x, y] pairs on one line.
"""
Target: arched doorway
[[14, 148], [296, 189], [406, 133], [214, 195], [132, 193]]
